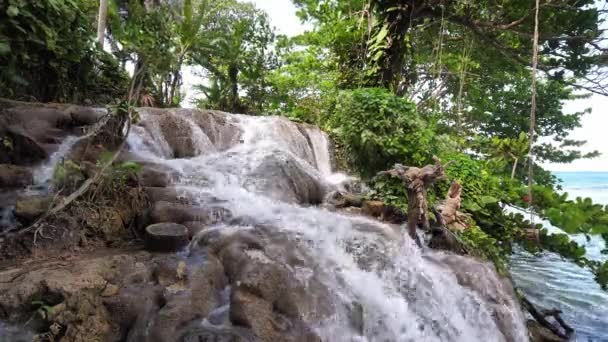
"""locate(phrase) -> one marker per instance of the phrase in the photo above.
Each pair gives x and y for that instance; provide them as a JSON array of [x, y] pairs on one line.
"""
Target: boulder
[[222, 133], [284, 178], [178, 132], [179, 213], [28, 209], [497, 292], [168, 194], [85, 116], [340, 199], [156, 175], [13, 176], [166, 237], [443, 238], [267, 297], [538, 333], [384, 212], [19, 147]]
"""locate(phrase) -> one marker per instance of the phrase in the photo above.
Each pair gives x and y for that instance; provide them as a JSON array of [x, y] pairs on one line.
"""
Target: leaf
[[12, 11], [485, 200]]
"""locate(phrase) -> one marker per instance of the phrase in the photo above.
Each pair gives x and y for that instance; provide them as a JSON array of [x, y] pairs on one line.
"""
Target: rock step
[[166, 237]]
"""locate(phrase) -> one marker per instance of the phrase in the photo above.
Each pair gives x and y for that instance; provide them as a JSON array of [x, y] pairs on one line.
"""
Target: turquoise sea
[[551, 282]]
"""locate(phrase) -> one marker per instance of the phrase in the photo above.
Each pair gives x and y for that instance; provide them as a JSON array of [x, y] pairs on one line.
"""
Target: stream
[[552, 282]]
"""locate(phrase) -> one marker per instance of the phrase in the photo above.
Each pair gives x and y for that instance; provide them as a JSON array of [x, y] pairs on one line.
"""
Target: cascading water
[[43, 174], [405, 294]]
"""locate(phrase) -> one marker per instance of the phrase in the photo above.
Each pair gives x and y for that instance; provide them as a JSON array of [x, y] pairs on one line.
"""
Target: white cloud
[[594, 130]]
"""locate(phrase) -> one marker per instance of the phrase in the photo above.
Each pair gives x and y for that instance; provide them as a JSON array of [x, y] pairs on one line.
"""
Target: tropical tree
[[236, 56], [102, 19]]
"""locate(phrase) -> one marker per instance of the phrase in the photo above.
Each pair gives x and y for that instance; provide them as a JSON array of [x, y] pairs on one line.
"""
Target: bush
[[380, 129], [48, 53]]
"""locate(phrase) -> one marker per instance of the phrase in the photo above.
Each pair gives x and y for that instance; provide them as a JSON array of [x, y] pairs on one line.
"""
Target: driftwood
[[417, 181], [452, 217], [565, 332]]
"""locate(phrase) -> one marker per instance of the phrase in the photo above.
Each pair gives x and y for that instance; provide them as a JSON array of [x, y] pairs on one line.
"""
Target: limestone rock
[[179, 213], [19, 147], [29, 209], [284, 178], [13, 176]]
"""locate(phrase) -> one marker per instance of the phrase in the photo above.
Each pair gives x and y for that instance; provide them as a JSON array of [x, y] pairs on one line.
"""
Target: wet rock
[[156, 175], [194, 227], [179, 213], [538, 333], [28, 209], [442, 238], [84, 116], [384, 212], [169, 194], [13, 176], [214, 333], [497, 292], [19, 147], [166, 237], [222, 133], [341, 199], [179, 134], [267, 295], [282, 177]]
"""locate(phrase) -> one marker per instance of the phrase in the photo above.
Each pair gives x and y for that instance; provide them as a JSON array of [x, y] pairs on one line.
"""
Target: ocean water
[[551, 282]]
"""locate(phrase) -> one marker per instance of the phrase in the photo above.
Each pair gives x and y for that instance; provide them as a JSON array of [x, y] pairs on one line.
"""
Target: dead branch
[[417, 181], [540, 317]]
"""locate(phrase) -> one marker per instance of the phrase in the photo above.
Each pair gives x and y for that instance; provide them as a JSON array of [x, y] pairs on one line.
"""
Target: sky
[[594, 128]]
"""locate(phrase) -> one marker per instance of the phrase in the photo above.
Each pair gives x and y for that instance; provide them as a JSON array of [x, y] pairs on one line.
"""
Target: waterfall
[[320, 147], [43, 174], [405, 294]]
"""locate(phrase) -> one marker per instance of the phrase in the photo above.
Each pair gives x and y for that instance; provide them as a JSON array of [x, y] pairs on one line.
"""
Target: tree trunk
[[175, 80], [392, 63], [514, 168], [233, 73], [102, 20]]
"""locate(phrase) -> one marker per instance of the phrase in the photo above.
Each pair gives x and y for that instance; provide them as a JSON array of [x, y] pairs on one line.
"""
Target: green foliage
[[47, 53], [563, 245], [486, 246], [572, 216], [68, 175], [43, 309], [380, 129], [236, 57], [388, 189], [601, 274]]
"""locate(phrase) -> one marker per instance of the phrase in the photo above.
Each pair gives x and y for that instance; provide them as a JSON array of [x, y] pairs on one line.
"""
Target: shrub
[[380, 129]]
